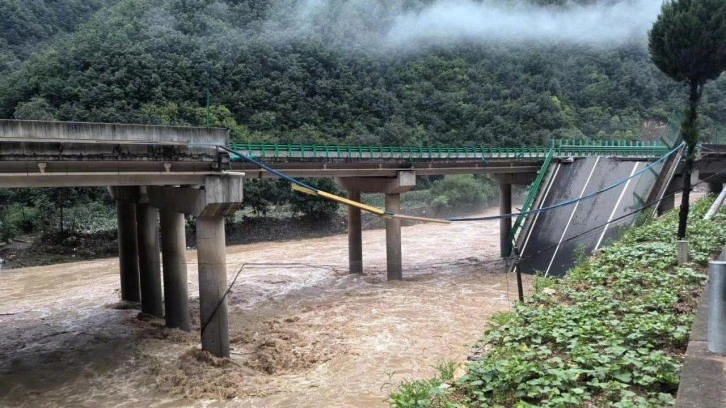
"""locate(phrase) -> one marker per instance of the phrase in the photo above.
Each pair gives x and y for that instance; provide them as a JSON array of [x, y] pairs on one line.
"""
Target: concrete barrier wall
[[44, 131]]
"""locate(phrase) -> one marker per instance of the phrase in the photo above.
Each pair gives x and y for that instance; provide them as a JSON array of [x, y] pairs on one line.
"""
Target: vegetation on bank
[[613, 332]]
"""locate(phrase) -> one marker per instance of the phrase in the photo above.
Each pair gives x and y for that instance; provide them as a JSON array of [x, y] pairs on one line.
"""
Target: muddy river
[[304, 333]]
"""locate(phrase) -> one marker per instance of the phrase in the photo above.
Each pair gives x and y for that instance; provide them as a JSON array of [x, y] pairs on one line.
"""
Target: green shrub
[[461, 191], [19, 219], [316, 207]]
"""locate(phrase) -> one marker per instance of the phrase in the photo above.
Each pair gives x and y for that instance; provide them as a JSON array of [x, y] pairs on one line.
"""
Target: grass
[[613, 332]]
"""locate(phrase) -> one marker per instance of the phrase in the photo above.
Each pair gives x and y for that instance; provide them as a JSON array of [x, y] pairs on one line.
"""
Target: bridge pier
[[211, 254], [128, 251], [219, 197], [147, 219], [176, 292], [667, 203], [393, 238], [505, 181], [355, 235], [715, 187], [392, 187], [505, 223]]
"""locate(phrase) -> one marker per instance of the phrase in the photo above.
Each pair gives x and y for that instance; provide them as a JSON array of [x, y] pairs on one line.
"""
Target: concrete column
[[176, 293], [505, 224], [355, 236], [393, 238], [147, 219], [212, 261], [128, 251], [667, 203]]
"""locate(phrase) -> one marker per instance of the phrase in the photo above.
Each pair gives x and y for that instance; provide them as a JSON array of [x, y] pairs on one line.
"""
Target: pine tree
[[688, 43]]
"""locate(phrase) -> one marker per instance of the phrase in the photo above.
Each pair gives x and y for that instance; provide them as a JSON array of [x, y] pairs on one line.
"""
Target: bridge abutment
[[667, 203], [176, 292]]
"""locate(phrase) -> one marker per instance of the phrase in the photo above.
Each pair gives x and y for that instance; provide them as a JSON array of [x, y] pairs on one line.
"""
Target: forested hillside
[[327, 71], [28, 25]]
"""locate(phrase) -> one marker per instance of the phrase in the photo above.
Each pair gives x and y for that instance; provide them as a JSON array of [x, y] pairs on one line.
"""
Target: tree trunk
[[689, 132]]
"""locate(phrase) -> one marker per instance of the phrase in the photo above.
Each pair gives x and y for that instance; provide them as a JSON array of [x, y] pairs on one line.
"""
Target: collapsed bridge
[[158, 174]]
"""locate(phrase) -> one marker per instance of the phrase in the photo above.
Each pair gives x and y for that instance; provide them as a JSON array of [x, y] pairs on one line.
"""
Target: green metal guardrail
[[385, 152], [669, 137], [581, 148], [561, 148], [533, 189]]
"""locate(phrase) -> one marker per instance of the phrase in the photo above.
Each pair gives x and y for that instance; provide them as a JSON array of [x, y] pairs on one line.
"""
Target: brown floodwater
[[304, 332]]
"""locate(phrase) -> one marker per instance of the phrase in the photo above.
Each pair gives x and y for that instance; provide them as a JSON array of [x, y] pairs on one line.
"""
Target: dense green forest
[[326, 71], [324, 77]]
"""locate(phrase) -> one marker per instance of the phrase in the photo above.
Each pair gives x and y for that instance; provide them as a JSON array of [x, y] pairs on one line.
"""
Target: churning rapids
[[304, 333]]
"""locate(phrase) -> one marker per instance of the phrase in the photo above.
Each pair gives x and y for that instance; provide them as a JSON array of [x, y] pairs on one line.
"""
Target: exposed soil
[[57, 248], [304, 332]]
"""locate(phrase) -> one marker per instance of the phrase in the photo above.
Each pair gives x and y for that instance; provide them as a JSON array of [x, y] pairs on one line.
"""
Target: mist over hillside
[[415, 72]]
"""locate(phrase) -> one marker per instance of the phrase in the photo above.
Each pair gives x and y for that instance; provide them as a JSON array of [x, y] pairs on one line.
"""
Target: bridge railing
[[623, 148], [385, 152], [561, 148], [533, 190]]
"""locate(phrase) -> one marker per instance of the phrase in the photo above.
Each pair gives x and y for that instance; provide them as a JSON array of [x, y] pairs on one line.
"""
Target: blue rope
[[268, 168]]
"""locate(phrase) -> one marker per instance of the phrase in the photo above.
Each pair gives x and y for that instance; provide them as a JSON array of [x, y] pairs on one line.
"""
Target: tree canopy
[[153, 62], [688, 43], [688, 40]]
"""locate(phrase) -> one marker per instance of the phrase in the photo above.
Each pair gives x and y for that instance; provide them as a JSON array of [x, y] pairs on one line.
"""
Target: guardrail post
[[716, 331]]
